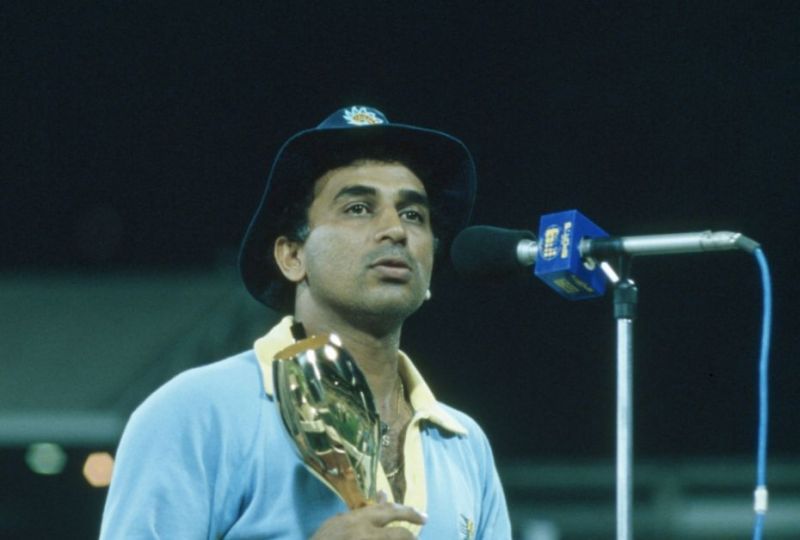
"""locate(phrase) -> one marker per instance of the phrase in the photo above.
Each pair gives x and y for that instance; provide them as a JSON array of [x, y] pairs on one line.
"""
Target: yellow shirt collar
[[422, 399]]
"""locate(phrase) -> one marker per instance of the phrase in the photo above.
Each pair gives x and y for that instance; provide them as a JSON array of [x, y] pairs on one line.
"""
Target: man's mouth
[[395, 268]]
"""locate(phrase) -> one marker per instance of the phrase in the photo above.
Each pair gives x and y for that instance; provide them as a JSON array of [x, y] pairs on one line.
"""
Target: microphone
[[484, 252], [568, 249]]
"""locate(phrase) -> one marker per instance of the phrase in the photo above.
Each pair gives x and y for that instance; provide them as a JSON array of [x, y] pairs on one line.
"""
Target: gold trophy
[[328, 410]]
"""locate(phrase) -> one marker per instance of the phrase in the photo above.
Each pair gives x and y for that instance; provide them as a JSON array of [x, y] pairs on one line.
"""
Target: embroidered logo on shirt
[[360, 116], [467, 528]]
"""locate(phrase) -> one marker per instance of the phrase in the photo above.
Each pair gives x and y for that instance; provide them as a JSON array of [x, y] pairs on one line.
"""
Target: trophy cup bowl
[[328, 410]]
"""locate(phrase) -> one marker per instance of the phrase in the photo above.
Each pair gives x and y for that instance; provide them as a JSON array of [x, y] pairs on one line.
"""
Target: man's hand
[[369, 523]]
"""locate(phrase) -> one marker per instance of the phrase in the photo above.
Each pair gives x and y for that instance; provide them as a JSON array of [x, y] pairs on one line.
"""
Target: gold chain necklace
[[389, 475]]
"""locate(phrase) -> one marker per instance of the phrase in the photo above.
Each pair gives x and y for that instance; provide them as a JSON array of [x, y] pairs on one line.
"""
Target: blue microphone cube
[[558, 260]]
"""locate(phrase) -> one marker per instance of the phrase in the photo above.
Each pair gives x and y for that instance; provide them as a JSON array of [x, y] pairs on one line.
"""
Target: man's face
[[370, 249]]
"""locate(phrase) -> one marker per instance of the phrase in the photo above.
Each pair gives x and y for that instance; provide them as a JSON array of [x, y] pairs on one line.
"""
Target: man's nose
[[390, 227]]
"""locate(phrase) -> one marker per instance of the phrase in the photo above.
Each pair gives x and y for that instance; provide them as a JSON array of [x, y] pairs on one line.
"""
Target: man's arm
[[163, 473], [494, 523]]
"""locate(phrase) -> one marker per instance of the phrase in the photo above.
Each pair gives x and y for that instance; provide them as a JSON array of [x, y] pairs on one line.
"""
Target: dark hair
[[293, 220]]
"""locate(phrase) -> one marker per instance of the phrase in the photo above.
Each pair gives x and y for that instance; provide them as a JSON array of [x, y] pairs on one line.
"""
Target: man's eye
[[413, 215], [357, 209]]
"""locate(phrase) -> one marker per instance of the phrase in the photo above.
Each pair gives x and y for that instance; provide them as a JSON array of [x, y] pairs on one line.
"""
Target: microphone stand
[[626, 296]]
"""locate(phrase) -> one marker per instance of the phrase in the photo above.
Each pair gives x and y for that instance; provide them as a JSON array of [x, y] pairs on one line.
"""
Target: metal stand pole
[[625, 299]]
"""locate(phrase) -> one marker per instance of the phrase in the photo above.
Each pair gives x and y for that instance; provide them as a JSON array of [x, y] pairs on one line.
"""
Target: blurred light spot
[[46, 458], [538, 529], [97, 469]]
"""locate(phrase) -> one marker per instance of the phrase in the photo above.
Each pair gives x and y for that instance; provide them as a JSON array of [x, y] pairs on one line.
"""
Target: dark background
[[138, 136]]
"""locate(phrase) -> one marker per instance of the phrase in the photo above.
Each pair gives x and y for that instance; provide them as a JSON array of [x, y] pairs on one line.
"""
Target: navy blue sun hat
[[442, 162]]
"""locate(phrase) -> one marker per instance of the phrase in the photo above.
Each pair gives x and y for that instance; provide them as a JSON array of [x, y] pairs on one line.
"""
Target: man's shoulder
[[472, 449], [473, 428], [233, 374], [231, 384]]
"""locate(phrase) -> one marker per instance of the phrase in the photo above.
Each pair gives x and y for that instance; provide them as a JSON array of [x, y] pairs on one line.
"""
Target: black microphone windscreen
[[483, 252]]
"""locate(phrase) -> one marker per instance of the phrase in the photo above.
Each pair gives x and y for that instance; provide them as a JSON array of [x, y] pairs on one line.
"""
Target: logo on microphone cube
[[549, 249], [559, 263], [556, 243]]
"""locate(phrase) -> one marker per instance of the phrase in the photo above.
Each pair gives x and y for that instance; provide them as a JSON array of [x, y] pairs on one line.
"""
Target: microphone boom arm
[[654, 244], [666, 244]]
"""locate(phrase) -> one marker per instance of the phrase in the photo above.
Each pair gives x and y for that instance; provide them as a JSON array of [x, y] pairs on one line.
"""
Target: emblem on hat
[[361, 116]]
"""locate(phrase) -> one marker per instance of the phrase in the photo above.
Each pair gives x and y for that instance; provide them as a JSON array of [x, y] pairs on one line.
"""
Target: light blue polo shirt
[[207, 456]]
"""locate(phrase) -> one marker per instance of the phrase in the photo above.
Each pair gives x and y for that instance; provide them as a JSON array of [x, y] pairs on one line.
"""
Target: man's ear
[[289, 257]]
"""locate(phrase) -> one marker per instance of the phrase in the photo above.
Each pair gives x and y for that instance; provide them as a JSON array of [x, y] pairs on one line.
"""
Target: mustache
[[390, 253]]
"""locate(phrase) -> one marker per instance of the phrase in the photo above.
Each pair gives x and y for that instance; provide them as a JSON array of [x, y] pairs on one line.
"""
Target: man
[[343, 240]]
